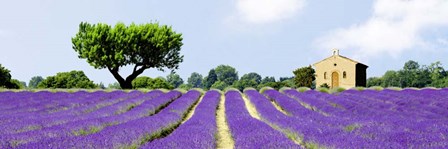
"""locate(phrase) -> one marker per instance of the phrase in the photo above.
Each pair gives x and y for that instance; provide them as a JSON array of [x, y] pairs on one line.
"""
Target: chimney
[[335, 52]]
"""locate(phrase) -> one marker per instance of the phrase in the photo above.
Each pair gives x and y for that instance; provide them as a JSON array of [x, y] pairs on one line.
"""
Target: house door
[[334, 79]]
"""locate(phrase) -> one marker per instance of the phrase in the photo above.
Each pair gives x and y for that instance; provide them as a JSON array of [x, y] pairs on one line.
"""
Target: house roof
[[343, 57]]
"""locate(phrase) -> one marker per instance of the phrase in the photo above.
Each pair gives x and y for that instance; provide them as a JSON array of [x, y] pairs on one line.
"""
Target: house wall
[[342, 65], [361, 75]]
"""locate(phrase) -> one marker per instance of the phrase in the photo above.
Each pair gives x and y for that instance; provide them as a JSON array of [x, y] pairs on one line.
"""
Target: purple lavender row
[[13, 118], [407, 109], [312, 98], [37, 102], [297, 110], [315, 129], [31, 122], [384, 126], [400, 108], [102, 112], [407, 103], [56, 98], [414, 125], [8, 98], [428, 102], [130, 134], [198, 132], [334, 105], [108, 110], [248, 132], [32, 100], [93, 125]]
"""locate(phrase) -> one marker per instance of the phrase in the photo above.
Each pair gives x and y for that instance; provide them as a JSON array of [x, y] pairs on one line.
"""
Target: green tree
[[101, 85], [288, 83], [15, 84], [7, 81], [437, 75], [174, 79], [286, 78], [185, 86], [412, 75], [195, 80], [210, 79], [267, 80], [142, 82], [374, 81], [23, 84], [144, 46], [275, 85], [408, 74], [161, 83], [304, 76], [252, 76], [5, 76], [226, 73], [221, 85], [114, 85], [72, 79], [391, 79], [242, 84], [248, 80], [35, 81], [411, 65], [149, 83]]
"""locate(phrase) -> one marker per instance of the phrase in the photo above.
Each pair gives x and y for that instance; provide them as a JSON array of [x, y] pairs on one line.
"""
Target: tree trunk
[[126, 84]]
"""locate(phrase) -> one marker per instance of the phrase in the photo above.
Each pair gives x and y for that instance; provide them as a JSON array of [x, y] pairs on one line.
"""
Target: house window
[[344, 75], [325, 75]]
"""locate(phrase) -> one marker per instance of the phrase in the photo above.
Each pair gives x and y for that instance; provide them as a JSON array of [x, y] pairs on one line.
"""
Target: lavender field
[[272, 119]]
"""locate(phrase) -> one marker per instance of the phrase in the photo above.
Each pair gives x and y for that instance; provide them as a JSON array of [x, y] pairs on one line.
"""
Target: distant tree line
[[221, 77], [6, 80], [413, 75]]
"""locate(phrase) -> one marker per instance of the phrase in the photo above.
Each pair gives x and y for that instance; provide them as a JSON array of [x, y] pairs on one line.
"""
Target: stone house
[[340, 71]]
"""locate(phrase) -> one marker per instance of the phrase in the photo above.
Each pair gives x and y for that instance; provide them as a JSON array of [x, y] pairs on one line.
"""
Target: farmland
[[408, 118]]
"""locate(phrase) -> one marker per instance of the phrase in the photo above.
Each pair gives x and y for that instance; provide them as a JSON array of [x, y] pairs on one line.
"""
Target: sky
[[270, 37]]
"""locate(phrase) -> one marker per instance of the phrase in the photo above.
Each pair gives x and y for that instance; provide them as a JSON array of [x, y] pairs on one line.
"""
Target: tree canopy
[[248, 80], [226, 74], [221, 85], [210, 79], [195, 80], [413, 75], [304, 76], [149, 83], [35, 81], [267, 80], [144, 46], [72, 79], [174, 79], [5, 76], [7, 81]]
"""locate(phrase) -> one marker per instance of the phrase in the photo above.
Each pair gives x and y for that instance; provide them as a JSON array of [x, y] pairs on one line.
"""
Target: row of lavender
[[83, 114], [361, 119], [351, 119]]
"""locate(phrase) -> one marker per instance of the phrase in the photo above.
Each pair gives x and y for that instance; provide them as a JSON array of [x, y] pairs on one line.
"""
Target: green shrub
[[303, 89]]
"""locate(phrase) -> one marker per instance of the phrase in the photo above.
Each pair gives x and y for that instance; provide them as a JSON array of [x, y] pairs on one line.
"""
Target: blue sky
[[270, 37]]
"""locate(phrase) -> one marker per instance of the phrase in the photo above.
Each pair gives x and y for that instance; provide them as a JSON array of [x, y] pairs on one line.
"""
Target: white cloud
[[394, 27], [443, 41], [267, 11]]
